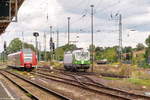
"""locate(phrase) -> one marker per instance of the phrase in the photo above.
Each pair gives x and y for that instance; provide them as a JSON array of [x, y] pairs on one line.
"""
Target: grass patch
[[114, 64], [56, 64], [15, 71], [139, 81], [29, 95], [51, 63], [111, 78], [20, 72]]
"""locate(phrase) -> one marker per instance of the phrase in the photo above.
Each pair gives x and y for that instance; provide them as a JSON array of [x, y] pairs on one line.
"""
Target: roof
[[13, 54], [4, 25]]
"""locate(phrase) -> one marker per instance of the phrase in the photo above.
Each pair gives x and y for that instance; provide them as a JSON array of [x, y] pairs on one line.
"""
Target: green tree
[[99, 53], [127, 49], [99, 49], [16, 45], [69, 47], [26, 45], [147, 51], [147, 41], [59, 52], [110, 54]]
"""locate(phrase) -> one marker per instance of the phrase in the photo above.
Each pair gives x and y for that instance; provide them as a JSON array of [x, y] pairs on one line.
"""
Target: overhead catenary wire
[[108, 7], [114, 4], [85, 13]]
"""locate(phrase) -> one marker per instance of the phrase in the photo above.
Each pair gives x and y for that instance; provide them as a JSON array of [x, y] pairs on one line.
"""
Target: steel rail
[[98, 85], [78, 84], [63, 97]]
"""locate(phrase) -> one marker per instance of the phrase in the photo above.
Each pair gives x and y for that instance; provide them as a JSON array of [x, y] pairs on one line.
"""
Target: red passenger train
[[25, 59]]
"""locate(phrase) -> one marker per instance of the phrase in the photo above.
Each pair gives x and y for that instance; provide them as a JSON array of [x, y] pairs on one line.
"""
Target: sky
[[39, 15]]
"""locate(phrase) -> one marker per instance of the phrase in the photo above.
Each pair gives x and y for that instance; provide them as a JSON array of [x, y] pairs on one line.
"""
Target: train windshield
[[82, 56], [27, 57]]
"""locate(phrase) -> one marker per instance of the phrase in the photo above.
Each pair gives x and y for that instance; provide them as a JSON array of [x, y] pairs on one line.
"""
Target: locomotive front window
[[27, 57], [82, 55]]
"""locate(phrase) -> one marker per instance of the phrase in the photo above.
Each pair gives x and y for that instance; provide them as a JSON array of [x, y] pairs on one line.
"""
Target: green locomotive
[[77, 60]]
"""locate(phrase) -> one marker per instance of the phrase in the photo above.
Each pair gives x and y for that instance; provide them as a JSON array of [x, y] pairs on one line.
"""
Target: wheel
[[22, 69], [73, 69], [66, 68]]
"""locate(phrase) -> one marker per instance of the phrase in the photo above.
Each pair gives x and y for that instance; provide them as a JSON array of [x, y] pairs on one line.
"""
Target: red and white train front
[[24, 59]]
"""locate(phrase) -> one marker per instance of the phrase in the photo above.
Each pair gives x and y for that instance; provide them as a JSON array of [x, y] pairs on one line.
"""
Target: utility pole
[[36, 44], [22, 40], [92, 52], [5, 54], [39, 45], [44, 46], [51, 41], [57, 43], [57, 38], [120, 37], [53, 46], [68, 30], [51, 32]]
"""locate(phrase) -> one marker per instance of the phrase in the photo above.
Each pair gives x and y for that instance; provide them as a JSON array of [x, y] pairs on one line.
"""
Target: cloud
[[32, 17]]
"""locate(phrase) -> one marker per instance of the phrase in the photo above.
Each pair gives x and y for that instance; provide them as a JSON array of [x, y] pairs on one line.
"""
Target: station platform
[[5, 93]]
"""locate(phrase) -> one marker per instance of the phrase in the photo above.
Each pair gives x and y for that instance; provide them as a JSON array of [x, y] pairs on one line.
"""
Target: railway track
[[87, 83], [35, 90], [91, 73]]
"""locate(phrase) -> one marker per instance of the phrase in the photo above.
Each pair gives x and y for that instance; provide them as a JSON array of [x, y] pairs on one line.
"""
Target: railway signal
[[36, 34], [52, 46]]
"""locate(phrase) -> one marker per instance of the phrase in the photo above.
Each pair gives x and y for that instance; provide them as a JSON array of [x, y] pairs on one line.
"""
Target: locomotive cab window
[[82, 55], [27, 57]]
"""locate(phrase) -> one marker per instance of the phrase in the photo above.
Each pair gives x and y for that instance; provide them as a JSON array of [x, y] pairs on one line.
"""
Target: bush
[[143, 64], [139, 81]]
